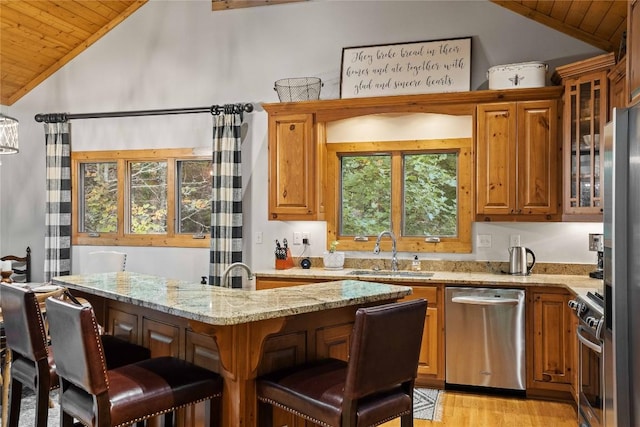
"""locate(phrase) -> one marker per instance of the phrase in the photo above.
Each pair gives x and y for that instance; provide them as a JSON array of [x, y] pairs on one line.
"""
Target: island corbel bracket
[[247, 336]]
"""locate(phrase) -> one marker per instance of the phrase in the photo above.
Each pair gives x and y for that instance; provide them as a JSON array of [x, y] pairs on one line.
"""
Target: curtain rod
[[214, 109]]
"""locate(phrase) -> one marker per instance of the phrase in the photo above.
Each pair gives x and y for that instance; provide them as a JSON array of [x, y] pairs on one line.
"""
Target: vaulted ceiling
[[38, 37]]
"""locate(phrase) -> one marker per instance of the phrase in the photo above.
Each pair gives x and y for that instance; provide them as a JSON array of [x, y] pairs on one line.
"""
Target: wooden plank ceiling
[[600, 23], [38, 37]]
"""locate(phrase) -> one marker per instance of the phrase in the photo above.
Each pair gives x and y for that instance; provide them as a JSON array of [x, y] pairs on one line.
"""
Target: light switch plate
[[297, 238], [483, 240]]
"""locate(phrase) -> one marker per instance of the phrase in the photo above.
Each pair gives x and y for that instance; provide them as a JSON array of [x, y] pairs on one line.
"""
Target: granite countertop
[[223, 306], [578, 284]]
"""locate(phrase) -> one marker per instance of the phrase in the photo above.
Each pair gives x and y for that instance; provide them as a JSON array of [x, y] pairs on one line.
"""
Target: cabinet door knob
[[292, 127]]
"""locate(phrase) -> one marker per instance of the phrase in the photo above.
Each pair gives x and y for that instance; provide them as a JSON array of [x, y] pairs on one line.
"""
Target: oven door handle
[[595, 347]]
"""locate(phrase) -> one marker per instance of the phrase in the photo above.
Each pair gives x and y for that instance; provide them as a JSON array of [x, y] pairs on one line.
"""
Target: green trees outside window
[[141, 198], [422, 190]]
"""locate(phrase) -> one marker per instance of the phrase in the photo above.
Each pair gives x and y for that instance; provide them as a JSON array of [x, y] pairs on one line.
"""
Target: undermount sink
[[390, 273]]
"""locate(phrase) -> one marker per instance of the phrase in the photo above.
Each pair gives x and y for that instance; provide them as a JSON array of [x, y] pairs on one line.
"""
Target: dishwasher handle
[[480, 300]]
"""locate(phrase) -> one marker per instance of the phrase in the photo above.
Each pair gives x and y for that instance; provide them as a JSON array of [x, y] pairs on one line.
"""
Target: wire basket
[[298, 89]]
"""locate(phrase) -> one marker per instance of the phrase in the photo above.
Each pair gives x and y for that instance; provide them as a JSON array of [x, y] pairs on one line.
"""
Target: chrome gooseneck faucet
[[394, 252], [227, 270]]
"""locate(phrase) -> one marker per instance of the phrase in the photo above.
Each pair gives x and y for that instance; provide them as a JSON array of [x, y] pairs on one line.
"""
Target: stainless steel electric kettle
[[518, 261]]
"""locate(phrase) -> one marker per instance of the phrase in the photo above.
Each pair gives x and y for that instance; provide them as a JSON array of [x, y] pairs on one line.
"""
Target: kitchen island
[[240, 334]]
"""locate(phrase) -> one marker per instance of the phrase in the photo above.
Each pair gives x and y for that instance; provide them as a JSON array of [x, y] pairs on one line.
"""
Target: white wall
[[172, 54]]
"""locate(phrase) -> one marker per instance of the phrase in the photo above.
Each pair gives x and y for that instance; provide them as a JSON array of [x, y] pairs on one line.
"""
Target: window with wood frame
[[141, 198], [421, 190]]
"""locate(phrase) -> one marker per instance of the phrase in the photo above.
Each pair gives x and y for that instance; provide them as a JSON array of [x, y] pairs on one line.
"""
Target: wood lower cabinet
[[163, 339], [123, 325], [517, 160], [551, 364], [335, 344], [430, 364], [262, 283]]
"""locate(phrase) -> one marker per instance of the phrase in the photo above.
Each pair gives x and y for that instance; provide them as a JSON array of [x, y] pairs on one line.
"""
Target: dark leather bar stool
[[99, 397], [33, 363], [373, 387]]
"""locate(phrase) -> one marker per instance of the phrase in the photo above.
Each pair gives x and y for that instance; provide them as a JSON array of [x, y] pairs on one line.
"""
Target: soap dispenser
[[415, 264]]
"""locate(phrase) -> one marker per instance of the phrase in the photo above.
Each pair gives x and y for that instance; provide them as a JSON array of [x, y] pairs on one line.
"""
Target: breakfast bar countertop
[[224, 306]]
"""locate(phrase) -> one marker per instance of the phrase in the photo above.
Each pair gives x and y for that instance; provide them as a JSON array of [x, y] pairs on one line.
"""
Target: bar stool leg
[[168, 419], [42, 403], [15, 398]]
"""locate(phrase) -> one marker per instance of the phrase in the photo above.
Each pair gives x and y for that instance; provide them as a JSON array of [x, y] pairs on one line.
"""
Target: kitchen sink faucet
[[394, 252], [225, 273]]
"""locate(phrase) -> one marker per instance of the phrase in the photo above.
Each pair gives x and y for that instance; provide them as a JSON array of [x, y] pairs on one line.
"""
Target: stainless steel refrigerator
[[621, 359]]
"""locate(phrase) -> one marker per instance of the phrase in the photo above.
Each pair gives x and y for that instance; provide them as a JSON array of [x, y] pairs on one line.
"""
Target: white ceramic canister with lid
[[517, 76]]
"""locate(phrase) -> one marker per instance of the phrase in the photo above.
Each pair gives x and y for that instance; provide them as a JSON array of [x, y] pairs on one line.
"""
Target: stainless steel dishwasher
[[485, 343]]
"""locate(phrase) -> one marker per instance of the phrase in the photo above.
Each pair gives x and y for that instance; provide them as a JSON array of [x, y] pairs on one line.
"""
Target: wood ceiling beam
[[218, 5]]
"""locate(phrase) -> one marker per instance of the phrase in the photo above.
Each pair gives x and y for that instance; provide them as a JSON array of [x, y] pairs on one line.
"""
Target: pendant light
[[8, 135]]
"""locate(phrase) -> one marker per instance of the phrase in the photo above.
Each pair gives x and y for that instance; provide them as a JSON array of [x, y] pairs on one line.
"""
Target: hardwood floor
[[466, 409]]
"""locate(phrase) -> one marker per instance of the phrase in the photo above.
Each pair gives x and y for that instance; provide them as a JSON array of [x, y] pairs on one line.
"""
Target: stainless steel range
[[590, 311]]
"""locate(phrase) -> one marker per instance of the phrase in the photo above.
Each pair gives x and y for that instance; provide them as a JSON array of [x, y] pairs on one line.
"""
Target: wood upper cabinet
[[517, 159], [551, 360], [297, 144], [293, 169], [618, 86], [633, 50], [586, 110]]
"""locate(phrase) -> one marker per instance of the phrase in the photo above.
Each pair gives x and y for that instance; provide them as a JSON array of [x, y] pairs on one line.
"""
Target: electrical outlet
[[259, 237], [483, 240], [297, 238], [305, 238], [514, 240]]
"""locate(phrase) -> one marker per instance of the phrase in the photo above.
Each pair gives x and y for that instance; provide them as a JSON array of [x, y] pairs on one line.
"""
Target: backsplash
[[462, 266]]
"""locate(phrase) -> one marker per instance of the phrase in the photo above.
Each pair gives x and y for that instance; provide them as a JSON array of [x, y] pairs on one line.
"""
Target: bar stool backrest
[[77, 346], [385, 348], [23, 323]]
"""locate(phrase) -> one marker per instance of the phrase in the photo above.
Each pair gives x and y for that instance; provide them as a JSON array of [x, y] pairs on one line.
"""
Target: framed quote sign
[[406, 68]]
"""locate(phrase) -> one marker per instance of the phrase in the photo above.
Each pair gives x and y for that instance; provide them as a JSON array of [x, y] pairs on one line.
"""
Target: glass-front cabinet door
[[586, 97], [587, 117]]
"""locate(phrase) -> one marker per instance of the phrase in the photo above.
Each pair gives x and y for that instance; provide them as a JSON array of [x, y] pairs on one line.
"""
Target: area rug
[[28, 409], [427, 404]]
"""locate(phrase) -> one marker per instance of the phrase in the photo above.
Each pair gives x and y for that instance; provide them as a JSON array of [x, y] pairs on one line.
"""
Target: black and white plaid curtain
[[58, 201], [226, 206]]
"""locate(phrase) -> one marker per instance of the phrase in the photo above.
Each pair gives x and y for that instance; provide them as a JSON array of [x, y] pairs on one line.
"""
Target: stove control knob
[[592, 322], [576, 306]]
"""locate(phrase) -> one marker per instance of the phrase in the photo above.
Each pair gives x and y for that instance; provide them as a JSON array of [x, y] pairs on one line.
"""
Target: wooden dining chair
[[21, 266], [104, 262], [32, 362], [374, 386], [110, 398]]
